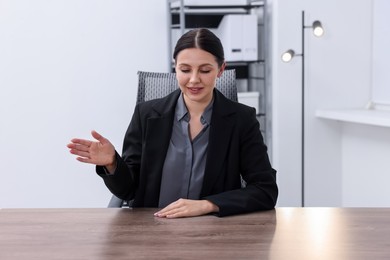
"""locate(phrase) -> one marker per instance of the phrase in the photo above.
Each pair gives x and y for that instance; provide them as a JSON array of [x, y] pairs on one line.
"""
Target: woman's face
[[196, 72]]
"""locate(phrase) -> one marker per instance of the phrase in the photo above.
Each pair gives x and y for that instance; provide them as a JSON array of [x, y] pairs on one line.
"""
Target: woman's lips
[[195, 90]]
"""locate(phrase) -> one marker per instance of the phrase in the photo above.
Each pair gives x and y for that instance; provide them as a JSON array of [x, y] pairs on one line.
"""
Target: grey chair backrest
[[152, 85]]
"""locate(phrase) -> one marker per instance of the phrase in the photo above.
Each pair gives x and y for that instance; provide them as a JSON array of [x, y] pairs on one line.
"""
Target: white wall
[[67, 67], [381, 55], [366, 165], [366, 148], [337, 75], [285, 102], [341, 78]]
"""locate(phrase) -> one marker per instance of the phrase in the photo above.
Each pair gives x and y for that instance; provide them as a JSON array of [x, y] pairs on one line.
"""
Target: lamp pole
[[303, 112], [287, 56]]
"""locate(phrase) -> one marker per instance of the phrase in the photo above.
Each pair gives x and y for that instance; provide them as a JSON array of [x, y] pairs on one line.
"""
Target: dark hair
[[202, 39]]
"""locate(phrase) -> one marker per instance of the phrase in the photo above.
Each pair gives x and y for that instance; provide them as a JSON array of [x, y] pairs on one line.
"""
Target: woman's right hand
[[100, 153]]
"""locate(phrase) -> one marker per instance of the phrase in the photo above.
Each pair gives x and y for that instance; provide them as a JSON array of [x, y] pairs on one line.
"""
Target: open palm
[[100, 152]]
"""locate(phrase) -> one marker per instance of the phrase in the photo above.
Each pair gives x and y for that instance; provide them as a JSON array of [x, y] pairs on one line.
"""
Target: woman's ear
[[221, 69]]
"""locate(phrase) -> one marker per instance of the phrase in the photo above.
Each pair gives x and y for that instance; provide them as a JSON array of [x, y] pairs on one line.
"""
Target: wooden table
[[284, 233]]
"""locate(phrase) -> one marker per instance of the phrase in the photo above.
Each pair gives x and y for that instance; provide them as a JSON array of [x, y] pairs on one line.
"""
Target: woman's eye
[[205, 71], [185, 71]]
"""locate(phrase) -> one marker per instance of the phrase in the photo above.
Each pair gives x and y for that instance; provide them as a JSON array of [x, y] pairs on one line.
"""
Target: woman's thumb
[[98, 136]]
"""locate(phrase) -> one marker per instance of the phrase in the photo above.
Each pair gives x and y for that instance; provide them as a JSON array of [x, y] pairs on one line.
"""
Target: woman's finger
[[98, 137], [171, 206], [84, 160], [177, 213], [81, 147], [170, 212], [78, 147], [81, 142], [80, 153]]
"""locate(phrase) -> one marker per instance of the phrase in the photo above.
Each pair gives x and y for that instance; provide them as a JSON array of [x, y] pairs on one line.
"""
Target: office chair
[[152, 85]]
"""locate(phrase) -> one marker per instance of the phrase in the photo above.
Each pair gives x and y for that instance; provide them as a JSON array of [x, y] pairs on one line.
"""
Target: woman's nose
[[194, 77]]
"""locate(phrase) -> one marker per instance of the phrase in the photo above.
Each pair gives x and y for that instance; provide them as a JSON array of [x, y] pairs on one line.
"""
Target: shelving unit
[[186, 14]]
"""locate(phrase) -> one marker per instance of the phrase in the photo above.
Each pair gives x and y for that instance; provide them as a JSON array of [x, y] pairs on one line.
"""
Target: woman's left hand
[[187, 208]]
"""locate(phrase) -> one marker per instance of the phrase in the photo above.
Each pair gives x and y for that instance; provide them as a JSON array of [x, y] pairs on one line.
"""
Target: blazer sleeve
[[252, 162], [123, 182]]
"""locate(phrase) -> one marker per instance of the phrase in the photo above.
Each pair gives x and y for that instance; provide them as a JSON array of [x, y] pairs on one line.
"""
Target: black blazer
[[235, 148]]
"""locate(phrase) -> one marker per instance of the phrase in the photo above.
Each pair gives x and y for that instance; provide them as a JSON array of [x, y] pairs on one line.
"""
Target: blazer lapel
[[157, 138], [219, 140]]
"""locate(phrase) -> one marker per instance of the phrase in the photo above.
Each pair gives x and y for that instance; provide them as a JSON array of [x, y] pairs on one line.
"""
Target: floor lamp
[[287, 56]]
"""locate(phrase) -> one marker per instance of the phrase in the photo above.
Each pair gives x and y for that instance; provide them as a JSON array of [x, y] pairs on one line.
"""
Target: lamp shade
[[318, 30], [288, 55]]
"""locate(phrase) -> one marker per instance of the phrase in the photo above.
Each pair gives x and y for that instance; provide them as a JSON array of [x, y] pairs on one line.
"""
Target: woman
[[186, 153]]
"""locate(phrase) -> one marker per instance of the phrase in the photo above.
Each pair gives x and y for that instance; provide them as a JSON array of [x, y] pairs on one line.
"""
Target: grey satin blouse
[[185, 162]]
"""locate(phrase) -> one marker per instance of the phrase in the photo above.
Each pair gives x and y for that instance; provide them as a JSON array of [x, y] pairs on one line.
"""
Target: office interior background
[[70, 66]]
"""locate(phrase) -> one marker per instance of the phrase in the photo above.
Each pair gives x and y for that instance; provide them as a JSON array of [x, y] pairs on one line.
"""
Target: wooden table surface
[[284, 233]]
